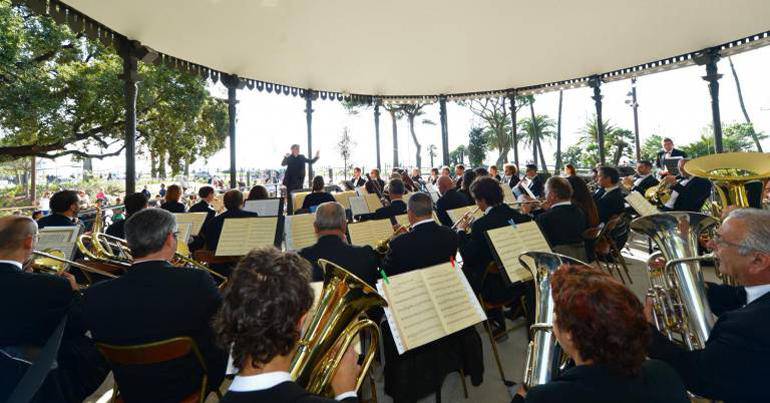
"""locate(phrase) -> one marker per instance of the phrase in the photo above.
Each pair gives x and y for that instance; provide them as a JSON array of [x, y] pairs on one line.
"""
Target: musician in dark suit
[[155, 301], [510, 175], [171, 203], [459, 172], [206, 196], [212, 229], [426, 244], [31, 307], [533, 181], [688, 193], [733, 365], [562, 223], [397, 206], [450, 199], [317, 196], [65, 205], [467, 180], [265, 305], [375, 185], [357, 180], [609, 198], [294, 177], [600, 325], [643, 179], [134, 202], [667, 152], [493, 172], [330, 227]]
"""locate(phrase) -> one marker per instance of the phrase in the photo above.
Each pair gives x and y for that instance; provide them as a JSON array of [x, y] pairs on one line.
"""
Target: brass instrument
[[659, 194], [52, 261], [544, 355], [678, 290], [467, 218], [333, 327], [383, 246]]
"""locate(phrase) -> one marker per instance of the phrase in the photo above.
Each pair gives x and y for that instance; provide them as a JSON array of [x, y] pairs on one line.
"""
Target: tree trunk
[[162, 165], [535, 133], [417, 146], [187, 169], [542, 157], [743, 105], [557, 169], [395, 137], [33, 179], [88, 168], [153, 166], [618, 153]]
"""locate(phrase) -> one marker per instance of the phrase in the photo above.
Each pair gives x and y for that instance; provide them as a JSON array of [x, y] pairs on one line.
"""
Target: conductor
[[295, 170]]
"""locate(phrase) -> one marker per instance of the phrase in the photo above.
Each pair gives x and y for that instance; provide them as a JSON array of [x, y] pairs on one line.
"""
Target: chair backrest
[[148, 353], [593, 233]]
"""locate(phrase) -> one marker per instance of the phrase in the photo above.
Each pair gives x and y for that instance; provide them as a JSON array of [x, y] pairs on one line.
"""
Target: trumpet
[[467, 218], [383, 246], [52, 261]]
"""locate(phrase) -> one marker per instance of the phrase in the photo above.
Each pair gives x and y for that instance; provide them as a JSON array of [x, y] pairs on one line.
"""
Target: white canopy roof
[[411, 47]]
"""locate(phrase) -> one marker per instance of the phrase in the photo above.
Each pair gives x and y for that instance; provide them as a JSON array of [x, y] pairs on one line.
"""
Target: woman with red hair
[[600, 325]]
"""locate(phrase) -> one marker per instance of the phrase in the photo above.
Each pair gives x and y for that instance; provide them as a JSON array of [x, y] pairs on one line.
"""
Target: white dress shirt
[[756, 291], [422, 222], [675, 194], [269, 380], [639, 180], [564, 203], [608, 190], [13, 262]]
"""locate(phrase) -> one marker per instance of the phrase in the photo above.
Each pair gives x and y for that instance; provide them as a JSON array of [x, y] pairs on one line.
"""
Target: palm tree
[[411, 111], [395, 115], [557, 168], [617, 141], [534, 132], [497, 124], [753, 133]]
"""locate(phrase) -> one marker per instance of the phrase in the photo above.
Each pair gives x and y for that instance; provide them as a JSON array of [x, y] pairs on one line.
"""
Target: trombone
[[52, 261]]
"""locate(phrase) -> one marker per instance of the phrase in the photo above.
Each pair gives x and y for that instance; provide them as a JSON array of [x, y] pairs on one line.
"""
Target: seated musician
[[257, 192], [426, 244], [732, 366], [609, 198], [476, 251], [171, 200], [459, 172], [397, 206], [212, 229], [375, 185], [533, 181], [599, 324], [493, 172], [450, 199], [643, 179], [134, 202], [65, 205], [434, 174], [510, 175], [206, 196], [156, 301], [563, 223], [467, 180], [688, 193], [330, 227], [265, 304], [31, 307], [317, 196], [357, 180]]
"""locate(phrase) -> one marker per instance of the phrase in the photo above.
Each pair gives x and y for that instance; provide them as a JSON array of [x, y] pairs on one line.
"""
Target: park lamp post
[[635, 105]]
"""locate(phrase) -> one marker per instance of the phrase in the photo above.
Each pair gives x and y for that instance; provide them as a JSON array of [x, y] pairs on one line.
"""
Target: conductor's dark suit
[[295, 170], [427, 244], [733, 366], [359, 260], [155, 301], [609, 204], [645, 184], [286, 392], [692, 195], [452, 199]]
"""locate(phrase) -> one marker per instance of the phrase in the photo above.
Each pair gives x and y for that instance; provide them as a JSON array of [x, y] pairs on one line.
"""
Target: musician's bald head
[[444, 183], [17, 237]]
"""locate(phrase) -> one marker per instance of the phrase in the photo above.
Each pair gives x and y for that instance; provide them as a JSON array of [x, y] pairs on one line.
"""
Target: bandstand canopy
[[414, 47]]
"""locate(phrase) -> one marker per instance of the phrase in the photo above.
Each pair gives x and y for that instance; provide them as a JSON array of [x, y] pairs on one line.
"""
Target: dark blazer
[[537, 186], [645, 184], [154, 301], [117, 229], [376, 186], [55, 220], [213, 228], [316, 198], [692, 195], [358, 182], [452, 199], [674, 153], [733, 365], [359, 260], [203, 207], [173, 206], [286, 392], [426, 245], [512, 181], [295, 170], [562, 225], [396, 207], [609, 204], [657, 383]]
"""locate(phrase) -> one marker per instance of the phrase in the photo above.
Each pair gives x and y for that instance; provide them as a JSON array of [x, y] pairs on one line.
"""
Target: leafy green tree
[[736, 137], [617, 142], [535, 132], [651, 146], [497, 124], [573, 155], [345, 147], [477, 146], [457, 156]]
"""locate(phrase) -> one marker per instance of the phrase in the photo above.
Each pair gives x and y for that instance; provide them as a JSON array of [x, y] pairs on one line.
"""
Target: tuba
[[100, 247], [543, 352], [677, 290], [332, 328]]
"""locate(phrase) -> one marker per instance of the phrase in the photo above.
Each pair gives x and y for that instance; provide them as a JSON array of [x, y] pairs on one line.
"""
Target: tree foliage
[[477, 146], [735, 137], [534, 132], [496, 119]]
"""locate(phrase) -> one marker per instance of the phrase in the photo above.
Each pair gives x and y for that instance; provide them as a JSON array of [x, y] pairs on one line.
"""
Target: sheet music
[[402, 219], [527, 190], [373, 202], [299, 231], [185, 232], [640, 204], [195, 219], [456, 214], [509, 243], [59, 238], [240, 235], [370, 232], [508, 196], [361, 191], [434, 196], [342, 198], [297, 198], [264, 207], [358, 205], [453, 297]]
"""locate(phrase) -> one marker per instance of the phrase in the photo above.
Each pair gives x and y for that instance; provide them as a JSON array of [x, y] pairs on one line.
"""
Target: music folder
[[672, 165], [428, 304], [358, 206], [265, 207], [59, 238], [370, 232], [640, 204], [508, 242], [195, 220], [342, 198], [240, 235], [299, 231]]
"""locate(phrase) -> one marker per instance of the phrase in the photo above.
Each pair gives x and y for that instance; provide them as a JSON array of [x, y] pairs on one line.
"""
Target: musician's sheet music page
[[299, 231], [509, 243], [185, 232], [640, 204], [59, 238], [264, 207], [373, 202], [402, 219], [342, 198], [508, 196], [411, 312], [195, 219], [370, 232], [358, 205], [298, 198], [240, 235], [457, 306]]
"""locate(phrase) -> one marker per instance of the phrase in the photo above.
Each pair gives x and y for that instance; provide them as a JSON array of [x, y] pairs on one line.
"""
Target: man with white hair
[[732, 366]]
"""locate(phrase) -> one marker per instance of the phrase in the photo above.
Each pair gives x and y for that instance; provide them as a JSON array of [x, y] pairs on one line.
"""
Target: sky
[[674, 104]]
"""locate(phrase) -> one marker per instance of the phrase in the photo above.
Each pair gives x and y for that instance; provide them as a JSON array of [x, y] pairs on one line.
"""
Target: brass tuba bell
[[730, 173]]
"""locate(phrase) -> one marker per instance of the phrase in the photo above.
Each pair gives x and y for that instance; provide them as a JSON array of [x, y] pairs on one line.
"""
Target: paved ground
[[512, 351]]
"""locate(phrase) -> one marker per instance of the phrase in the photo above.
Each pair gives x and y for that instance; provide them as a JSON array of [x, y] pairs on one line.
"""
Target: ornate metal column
[[596, 82], [635, 105], [232, 83], [377, 103], [709, 58], [514, 132], [309, 95], [444, 130], [130, 77]]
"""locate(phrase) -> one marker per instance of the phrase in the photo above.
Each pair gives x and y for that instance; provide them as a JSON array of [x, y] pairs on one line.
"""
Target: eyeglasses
[[719, 241], [175, 234]]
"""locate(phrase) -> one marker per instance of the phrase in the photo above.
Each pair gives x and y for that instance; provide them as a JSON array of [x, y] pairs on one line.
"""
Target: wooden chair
[[155, 353]]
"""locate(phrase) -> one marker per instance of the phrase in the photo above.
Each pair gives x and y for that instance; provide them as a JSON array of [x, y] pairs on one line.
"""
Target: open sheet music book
[[370, 232], [342, 198], [508, 196], [358, 205], [59, 238], [640, 204], [240, 235], [195, 220], [456, 214], [297, 198], [264, 207], [373, 202], [509, 242], [299, 231], [428, 304]]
